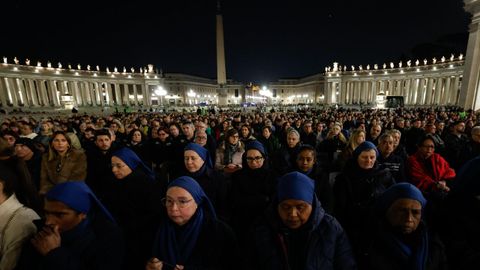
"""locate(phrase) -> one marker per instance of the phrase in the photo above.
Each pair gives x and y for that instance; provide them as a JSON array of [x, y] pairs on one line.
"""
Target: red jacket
[[421, 177]]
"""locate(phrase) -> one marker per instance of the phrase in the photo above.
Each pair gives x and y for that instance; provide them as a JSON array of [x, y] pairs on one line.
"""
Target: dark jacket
[[216, 248], [99, 247], [99, 171], [321, 243], [323, 189], [250, 194], [356, 191], [135, 203], [395, 164]]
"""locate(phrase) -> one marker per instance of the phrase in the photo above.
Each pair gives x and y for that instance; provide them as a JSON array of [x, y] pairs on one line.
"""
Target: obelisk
[[221, 70]]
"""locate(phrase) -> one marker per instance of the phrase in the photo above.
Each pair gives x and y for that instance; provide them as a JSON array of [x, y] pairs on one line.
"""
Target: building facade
[[430, 83]]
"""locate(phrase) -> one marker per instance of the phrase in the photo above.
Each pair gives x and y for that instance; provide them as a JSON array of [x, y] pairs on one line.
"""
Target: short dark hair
[[102, 132]]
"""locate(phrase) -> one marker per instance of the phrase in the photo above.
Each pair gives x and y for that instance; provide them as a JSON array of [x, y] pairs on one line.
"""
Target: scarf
[[174, 244]]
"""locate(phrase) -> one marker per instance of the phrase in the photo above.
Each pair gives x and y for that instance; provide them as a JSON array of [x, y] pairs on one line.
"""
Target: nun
[[297, 233], [402, 240], [191, 236], [134, 203]]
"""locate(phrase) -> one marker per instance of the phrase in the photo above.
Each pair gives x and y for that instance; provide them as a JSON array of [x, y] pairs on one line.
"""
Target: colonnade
[[45, 92]]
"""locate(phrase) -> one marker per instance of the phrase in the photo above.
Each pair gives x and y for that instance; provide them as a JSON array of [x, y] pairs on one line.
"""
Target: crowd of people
[[307, 189]]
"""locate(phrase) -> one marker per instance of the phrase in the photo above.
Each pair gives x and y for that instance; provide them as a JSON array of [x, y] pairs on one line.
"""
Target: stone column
[[33, 93], [3, 92], [455, 93], [469, 94], [11, 91], [438, 91], [346, 96], [446, 92], [118, 94], [421, 91], [54, 92], [408, 92], [428, 97], [374, 91], [108, 90], [76, 93], [135, 94]]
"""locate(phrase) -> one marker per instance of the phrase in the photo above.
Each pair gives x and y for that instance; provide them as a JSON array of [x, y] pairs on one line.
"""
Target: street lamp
[[160, 92]]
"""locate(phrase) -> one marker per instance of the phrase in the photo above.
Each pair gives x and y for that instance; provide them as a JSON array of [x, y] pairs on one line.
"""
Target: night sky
[[264, 40]]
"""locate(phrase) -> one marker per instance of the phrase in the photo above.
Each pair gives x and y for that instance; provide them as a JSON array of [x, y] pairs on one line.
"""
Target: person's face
[[59, 214], [89, 135], [440, 126], [306, 160], [137, 137], [119, 168], [254, 159], [233, 139], [360, 138], [22, 151], [201, 126], [114, 127], [174, 131], [396, 139], [336, 130], [307, 128], [103, 142], [476, 137], [366, 159], [386, 147], [188, 130], [417, 124], [162, 135], [375, 131], [266, 133], [154, 132], [427, 148], [201, 138], [401, 124], [319, 127], [60, 143], [25, 130], [244, 132], [460, 127], [292, 140], [193, 162], [45, 127], [294, 213], [10, 140], [180, 205], [404, 215], [430, 129]]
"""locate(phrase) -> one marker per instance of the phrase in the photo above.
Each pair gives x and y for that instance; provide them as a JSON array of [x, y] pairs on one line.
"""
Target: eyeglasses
[[181, 203], [252, 159], [201, 138]]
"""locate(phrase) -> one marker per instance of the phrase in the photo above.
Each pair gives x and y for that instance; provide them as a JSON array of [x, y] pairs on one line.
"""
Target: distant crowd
[[306, 189]]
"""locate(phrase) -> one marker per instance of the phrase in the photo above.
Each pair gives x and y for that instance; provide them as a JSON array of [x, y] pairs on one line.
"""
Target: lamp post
[[160, 92]]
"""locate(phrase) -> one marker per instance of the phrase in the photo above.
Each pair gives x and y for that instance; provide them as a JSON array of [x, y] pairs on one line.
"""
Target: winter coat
[[57, 169], [326, 245]]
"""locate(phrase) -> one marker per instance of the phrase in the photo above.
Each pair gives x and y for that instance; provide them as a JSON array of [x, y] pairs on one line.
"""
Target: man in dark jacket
[[298, 234], [99, 157], [78, 234]]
